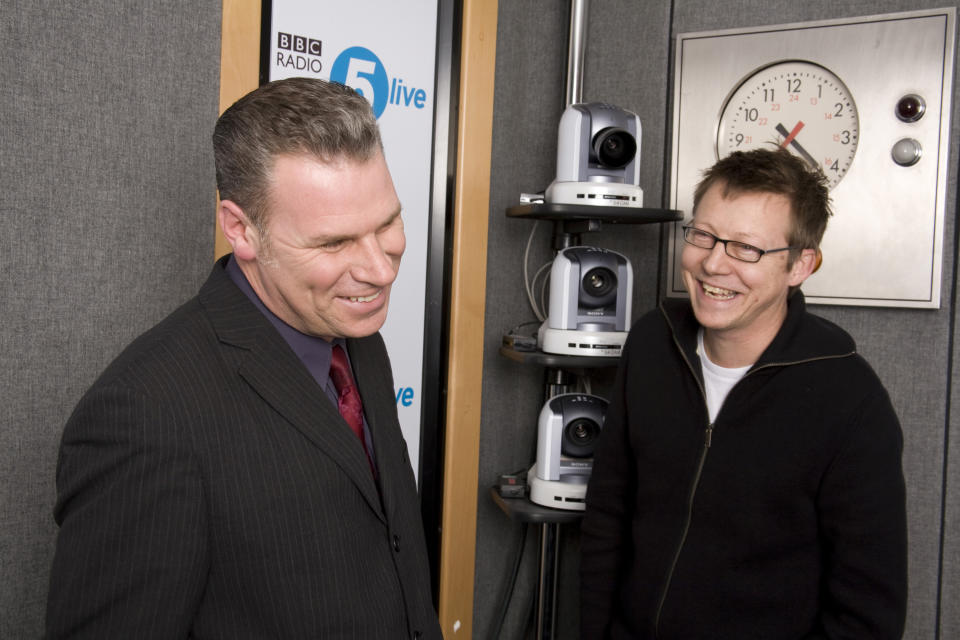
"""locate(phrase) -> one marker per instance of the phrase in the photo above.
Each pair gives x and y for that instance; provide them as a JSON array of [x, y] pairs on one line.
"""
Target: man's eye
[[744, 249], [333, 245]]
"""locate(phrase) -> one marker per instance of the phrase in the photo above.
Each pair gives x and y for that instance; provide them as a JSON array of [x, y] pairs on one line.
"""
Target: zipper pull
[[709, 436]]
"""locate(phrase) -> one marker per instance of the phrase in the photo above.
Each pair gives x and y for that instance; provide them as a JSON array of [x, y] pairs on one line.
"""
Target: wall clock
[[798, 105]]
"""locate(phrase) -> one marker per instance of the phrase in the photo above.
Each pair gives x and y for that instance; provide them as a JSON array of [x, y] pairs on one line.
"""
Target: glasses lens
[[698, 238], [745, 252]]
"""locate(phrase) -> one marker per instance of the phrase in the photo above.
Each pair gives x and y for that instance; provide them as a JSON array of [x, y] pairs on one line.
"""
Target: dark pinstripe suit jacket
[[207, 488]]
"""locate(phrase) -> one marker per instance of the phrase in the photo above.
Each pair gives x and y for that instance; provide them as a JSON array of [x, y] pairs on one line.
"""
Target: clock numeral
[[843, 137], [839, 112], [751, 115], [768, 95], [793, 97], [793, 85]]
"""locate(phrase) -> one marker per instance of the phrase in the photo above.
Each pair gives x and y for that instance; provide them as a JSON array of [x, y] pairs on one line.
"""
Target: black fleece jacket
[[785, 518]]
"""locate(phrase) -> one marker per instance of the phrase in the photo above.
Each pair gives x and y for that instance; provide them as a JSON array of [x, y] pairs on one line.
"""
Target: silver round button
[[906, 152]]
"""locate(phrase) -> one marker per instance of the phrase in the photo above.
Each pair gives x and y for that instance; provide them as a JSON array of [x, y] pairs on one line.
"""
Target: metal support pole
[[576, 47], [547, 587]]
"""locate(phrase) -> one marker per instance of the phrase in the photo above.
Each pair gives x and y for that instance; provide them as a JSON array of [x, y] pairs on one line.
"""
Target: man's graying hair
[[325, 120]]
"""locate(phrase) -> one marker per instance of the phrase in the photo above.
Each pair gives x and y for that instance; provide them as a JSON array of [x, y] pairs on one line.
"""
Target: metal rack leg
[[547, 587]]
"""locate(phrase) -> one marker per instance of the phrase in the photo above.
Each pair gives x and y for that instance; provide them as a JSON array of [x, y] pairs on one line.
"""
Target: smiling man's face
[[333, 245], [732, 298]]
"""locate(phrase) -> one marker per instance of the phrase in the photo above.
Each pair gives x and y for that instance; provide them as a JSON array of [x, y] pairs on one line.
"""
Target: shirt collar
[[314, 352]]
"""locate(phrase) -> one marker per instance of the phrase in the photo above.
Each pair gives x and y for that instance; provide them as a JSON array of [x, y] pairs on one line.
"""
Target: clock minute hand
[[789, 137]]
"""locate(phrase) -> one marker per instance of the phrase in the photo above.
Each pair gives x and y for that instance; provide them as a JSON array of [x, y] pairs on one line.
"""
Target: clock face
[[798, 105]]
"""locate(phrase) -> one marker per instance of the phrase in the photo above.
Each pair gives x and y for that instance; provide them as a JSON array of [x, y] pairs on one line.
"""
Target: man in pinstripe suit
[[207, 484]]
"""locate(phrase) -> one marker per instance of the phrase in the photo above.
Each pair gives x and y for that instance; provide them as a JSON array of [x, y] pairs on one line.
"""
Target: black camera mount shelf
[[556, 360], [597, 213], [570, 220]]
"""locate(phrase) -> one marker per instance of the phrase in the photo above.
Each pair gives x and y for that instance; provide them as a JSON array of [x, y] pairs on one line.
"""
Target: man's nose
[[374, 262], [717, 258]]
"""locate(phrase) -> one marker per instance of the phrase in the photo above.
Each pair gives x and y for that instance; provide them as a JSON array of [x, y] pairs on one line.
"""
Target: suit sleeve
[[605, 530], [131, 555], [862, 517]]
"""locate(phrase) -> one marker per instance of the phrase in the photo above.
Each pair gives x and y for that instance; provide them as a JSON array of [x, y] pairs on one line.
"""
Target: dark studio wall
[[106, 205], [628, 52]]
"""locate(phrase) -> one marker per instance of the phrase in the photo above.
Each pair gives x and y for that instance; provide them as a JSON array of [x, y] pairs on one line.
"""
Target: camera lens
[[910, 108], [579, 438], [614, 147], [598, 287]]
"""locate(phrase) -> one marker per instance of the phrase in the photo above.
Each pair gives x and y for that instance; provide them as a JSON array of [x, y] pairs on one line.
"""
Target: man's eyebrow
[[346, 237], [393, 217]]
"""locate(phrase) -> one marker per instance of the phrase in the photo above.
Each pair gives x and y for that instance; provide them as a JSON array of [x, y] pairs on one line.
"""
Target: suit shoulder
[[184, 335]]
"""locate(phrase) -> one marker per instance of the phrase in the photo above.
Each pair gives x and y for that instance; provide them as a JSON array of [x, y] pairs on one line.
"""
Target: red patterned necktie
[[348, 401]]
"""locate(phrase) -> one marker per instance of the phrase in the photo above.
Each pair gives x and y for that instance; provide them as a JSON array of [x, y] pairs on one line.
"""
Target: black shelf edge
[[559, 360], [616, 215], [522, 510]]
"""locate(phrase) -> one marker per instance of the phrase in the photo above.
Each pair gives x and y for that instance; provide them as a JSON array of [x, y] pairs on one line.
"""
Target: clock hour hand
[[789, 137]]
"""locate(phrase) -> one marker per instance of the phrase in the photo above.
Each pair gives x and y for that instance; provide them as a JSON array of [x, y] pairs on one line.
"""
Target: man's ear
[[803, 267], [238, 230]]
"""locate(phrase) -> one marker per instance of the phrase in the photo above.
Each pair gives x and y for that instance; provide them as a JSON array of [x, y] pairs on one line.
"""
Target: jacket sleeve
[[131, 556], [862, 516], [605, 530]]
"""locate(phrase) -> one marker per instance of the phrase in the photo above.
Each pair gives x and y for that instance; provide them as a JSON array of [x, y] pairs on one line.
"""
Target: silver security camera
[[598, 157], [568, 431], [591, 294]]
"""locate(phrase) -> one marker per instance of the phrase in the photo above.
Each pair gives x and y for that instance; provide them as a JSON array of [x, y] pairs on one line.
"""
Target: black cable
[[511, 585]]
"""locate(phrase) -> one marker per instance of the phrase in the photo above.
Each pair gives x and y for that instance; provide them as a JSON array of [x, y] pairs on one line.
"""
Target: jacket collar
[[802, 337]]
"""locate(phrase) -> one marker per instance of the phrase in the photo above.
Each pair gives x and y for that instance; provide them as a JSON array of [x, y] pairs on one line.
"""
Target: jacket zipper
[[708, 437]]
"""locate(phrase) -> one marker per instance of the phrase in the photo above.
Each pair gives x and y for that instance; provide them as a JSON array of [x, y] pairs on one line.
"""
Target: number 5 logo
[[361, 69]]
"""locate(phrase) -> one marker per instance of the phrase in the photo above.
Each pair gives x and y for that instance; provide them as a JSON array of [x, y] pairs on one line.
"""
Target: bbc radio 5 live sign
[[386, 51], [357, 67]]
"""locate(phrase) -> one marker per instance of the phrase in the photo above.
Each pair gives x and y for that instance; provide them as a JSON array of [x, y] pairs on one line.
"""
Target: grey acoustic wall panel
[[106, 204]]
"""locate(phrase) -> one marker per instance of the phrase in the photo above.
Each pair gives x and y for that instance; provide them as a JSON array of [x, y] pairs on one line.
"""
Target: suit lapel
[[371, 368], [273, 370]]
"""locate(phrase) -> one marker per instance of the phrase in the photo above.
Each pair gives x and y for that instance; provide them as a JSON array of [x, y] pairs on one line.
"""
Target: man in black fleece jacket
[[748, 481]]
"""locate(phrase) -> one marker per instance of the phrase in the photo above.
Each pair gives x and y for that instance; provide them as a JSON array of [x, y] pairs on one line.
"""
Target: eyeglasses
[[733, 248]]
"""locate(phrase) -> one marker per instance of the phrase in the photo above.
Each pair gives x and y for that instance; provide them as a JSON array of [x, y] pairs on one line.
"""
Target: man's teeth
[[365, 298], [717, 292]]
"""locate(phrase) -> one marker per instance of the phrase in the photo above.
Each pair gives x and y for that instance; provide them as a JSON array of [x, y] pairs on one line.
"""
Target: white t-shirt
[[717, 380]]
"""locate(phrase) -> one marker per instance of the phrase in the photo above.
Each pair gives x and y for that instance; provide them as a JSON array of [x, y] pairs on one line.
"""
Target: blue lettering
[[405, 96], [405, 396]]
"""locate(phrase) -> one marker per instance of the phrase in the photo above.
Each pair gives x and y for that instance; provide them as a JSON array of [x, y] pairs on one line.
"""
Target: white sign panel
[[386, 51]]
